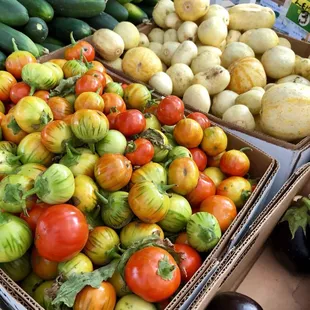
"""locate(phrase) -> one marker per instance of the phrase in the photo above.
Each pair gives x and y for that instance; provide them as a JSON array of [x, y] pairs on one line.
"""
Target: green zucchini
[[23, 42], [36, 29], [78, 8], [135, 14], [2, 61], [147, 9], [54, 41], [103, 20], [61, 27], [38, 8], [42, 50], [12, 13], [116, 10], [51, 47]]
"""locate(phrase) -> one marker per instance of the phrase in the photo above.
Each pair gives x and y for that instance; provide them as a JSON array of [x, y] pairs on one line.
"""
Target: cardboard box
[[262, 166], [253, 270]]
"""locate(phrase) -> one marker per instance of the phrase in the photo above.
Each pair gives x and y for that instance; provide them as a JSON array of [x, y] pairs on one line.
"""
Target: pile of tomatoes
[[95, 177]]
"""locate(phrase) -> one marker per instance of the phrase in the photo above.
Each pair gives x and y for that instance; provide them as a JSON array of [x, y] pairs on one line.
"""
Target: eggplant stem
[[168, 162], [32, 90], [306, 201], [166, 187], [30, 192], [92, 147], [13, 160], [247, 148]]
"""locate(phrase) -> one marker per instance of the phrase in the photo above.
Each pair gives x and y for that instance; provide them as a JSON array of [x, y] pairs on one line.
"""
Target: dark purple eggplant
[[291, 237], [233, 301]]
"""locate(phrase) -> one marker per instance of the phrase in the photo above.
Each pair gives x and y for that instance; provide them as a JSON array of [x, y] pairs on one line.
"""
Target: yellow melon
[[191, 10]]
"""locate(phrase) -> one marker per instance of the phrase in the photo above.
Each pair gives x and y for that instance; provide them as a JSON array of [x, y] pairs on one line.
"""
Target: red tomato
[[170, 110], [61, 233], [8, 107], [214, 161], [151, 107], [200, 158], [152, 274], [201, 119], [112, 118], [139, 152], [191, 262], [205, 188], [112, 100], [235, 163], [43, 267], [43, 94], [19, 91], [98, 66], [130, 122], [34, 214], [223, 208], [98, 75], [7, 80], [88, 83], [182, 238], [75, 50]]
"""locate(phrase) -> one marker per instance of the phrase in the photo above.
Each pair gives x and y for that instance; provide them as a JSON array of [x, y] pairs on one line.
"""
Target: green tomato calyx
[[165, 269]]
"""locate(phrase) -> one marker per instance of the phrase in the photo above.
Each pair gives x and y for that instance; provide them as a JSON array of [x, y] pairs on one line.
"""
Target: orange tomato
[[60, 107], [17, 60], [113, 172], [89, 100], [90, 298], [188, 133], [182, 238], [59, 62], [2, 116], [223, 208], [43, 94], [88, 83], [214, 141], [99, 75], [10, 129], [235, 162], [67, 119], [98, 66], [7, 80], [112, 100], [42, 267]]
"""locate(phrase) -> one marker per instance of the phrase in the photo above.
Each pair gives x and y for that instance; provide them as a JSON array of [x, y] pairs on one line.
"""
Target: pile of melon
[[226, 62]]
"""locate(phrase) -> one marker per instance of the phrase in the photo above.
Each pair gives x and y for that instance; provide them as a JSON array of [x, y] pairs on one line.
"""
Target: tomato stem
[[73, 42], [247, 148], [131, 147], [166, 187], [15, 45], [12, 160], [101, 199], [92, 147], [32, 90], [165, 269]]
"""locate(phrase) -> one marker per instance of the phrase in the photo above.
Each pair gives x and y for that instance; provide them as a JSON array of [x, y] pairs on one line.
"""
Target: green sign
[[299, 13]]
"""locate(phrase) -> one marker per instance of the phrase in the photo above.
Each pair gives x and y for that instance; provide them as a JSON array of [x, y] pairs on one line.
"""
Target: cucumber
[[38, 8], [116, 10], [2, 61], [12, 13], [23, 42], [36, 29], [61, 27], [78, 8], [148, 10], [42, 50], [135, 14], [54, 41], [103, 20], [51, 47]]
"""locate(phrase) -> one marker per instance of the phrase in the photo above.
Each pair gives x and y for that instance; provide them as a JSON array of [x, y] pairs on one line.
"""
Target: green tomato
[[115, 88], [203, 231], [15, 237], [178, 214], [41, 297], [12, 189], [151, 122], [178, 152], [114, 142], [77, 265], [115, 210], [119, 284], [55, 185], [130, 302], [18, 269], [31, 283]]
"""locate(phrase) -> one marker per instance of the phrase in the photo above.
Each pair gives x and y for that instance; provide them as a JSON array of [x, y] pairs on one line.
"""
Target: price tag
[[299, 13]]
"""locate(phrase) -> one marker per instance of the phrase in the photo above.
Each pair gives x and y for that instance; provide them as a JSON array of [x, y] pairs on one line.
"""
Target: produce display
[[229, 63], [108, 197]]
